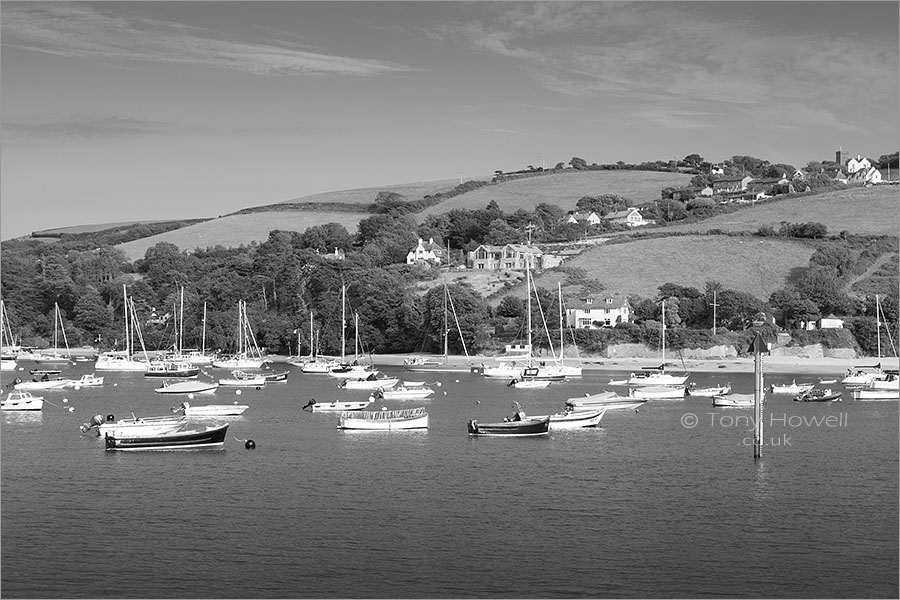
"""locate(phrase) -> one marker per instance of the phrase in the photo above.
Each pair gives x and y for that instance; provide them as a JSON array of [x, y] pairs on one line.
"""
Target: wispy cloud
[[84, 128], [71, 29]]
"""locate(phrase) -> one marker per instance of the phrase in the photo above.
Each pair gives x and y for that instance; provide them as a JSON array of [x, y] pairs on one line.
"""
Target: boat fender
[[110, 418], [249, 444]]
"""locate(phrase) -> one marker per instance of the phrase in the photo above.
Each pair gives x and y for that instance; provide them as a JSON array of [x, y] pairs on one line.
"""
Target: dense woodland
[[293, 274]]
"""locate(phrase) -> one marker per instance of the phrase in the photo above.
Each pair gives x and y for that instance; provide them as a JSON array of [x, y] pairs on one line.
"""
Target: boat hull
[[575, 419], [210, 438], [216, 410], [526, 427], [336, 405], [21, 401], [876, 395], [188, 387], [384, 420]]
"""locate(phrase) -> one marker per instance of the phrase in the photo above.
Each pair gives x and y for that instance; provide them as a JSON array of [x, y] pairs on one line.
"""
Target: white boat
[[571, 418], [124, 360], [21, 400], [211, 410], [656, 376], [257, 381], [46, 383], [337, 405], [371, 383], [890, 382], [55, 356], [607, 400], [735, 400], [211, 437], [318, 365], [875, 395], [384, 420], [863, 375], [87, 380], [512, 370], [560, 367], [528, 384], [791, 388], [404, 393], [187, 387], [657, 392], [709, 392], [313, 363], [247, 354], [172, 369], [134, 425]]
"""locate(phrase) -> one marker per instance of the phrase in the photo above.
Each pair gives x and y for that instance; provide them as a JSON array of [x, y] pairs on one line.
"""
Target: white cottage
[[594, 312], [425, 252]]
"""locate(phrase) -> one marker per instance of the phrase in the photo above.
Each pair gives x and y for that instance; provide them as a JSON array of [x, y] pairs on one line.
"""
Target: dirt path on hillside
[[868, 272]]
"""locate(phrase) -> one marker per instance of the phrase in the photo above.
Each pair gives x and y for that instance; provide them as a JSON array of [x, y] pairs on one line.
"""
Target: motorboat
[[863, 375], [317, 365], [511, 370], [529, 384], [119, 360], [710, 391], [735, 400], [571, 418], [47, 372], [657, 392], [791, 388], [279, 377], [384, 420], [815, 395], [44, 383], [211, 410], [519, 424], [337, 405], [187, 387], [875, 395], [404, 393], [352, 371], [607, 400], [241, 379], [172, 369], [87, 380], [371, 383], [21, 400], [135, 425], [656, 376], [208, 438]]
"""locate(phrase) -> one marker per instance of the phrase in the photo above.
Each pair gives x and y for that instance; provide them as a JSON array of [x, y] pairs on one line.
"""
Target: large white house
[[425, 252], [630, 216], [858, 163], [594, 312]]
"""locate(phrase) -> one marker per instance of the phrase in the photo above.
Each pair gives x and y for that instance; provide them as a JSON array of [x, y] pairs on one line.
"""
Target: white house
[[423, 252], [858, 163], [594, 312], [581, 217], [864, 176], [829, 322], [510, 256], [630, 216]]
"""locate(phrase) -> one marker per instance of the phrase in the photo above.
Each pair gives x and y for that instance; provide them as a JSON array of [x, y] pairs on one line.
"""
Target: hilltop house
[[630, 216], [727, 185], [594, 312], [583, 217], [510, 256], [858, 164], [864, 176], [829, 322], [429, 253]]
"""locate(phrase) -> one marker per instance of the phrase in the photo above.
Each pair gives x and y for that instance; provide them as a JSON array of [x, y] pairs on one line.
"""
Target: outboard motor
[[96, 421]]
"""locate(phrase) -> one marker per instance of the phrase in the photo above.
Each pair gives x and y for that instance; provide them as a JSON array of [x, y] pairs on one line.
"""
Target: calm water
[[640, 507]]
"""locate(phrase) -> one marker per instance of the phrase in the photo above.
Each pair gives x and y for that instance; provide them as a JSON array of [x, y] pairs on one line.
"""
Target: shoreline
[[770, 364]]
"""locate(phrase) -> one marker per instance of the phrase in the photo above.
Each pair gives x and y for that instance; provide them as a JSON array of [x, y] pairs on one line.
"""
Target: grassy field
[[564, 190], [411, 191], [865, 211]]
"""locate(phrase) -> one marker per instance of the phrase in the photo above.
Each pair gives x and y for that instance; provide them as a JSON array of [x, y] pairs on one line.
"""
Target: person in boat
[[45, 377]]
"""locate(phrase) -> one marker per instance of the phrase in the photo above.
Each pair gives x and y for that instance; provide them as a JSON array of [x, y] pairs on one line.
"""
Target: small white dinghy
[[211, 410]]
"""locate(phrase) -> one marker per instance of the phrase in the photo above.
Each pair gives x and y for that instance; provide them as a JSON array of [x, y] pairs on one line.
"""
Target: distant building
[[857, 164], [510, 256], [829, 322], [727, 185], [630, 216], [425, 252], [584, 217], [594, 312]]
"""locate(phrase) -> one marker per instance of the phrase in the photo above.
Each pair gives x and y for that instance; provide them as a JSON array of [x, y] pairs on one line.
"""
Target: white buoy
[[65, 400], [445, 393], [71, 409], [237, 392], [456, 380], [191, 396], [77, 387], [437, 383], [115, 384]]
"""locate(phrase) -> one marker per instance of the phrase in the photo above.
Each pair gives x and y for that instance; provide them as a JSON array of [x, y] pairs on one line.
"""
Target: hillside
[[562, 189], [864, 211]]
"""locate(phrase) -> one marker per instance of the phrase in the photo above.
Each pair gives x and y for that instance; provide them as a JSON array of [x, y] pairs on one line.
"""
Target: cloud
[[76, 30], [84, 128]]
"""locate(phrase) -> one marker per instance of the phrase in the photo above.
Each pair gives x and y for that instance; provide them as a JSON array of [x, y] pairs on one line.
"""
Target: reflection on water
[[23, 417], [635, 508]]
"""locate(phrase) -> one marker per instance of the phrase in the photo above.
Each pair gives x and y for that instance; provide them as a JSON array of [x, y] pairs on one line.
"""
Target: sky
[[121, 111]]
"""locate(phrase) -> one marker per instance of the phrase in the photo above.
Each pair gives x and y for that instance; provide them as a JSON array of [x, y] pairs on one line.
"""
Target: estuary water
[[664, 502]]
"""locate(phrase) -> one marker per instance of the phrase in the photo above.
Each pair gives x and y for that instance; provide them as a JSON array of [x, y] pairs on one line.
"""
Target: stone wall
[[722, 352]]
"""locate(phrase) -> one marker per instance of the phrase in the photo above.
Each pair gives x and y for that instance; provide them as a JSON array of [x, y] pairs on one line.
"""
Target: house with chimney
[[429, 253], [597, 311]]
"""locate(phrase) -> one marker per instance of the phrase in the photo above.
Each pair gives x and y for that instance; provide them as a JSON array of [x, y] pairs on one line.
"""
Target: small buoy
[[235, 401], [110, 418], [437, 383], [77, 387], [65, 400], [384, 408], [237, 392], [115, 384], [71, 409], [249, 444], [445, 393], [478, 402], [456, 380], [191, 396]]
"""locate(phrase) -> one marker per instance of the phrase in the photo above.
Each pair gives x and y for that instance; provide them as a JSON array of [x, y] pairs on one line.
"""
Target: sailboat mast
[[664, 334], [561, 336], [446, 331], [356, 335], [127, 331], [343, 323], [528, 310], [181, 323], [878, 322], [203, 342]]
